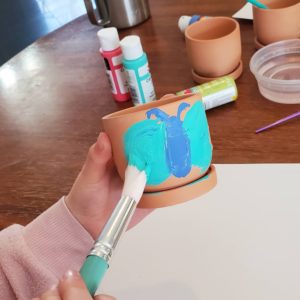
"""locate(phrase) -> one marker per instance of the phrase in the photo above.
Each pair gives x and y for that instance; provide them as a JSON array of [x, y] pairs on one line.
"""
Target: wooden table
[[53, 94]]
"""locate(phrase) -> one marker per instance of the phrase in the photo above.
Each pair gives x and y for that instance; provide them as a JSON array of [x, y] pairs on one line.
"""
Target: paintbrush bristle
[[134, 183]]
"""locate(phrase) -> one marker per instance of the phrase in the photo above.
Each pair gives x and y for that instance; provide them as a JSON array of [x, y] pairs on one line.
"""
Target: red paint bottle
[[112, 55]]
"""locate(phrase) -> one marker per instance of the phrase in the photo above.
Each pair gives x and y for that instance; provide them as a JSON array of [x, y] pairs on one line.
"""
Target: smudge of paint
[[199, 180], [177, 142], [167, 145], [145, 148]]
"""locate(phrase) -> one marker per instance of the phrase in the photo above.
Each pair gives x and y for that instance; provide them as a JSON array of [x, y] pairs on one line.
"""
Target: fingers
[[72, 287], [104, 297], [51, 294], [167, 96], [99, 155]]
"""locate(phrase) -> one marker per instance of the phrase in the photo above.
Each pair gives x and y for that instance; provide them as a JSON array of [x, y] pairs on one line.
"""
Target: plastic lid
[[183, 22], [109, 38], [131, 47]]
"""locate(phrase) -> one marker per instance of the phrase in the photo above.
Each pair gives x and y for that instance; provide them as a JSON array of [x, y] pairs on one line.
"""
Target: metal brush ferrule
[[114, 227]]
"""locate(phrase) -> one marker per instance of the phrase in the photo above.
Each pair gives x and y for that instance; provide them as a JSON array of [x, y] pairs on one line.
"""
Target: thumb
[[72, 287], [104, 297], [97, 159]]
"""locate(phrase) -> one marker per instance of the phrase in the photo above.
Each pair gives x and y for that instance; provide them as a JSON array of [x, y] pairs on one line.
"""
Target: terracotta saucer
[[258, 44], [234, 74], [181, 194]]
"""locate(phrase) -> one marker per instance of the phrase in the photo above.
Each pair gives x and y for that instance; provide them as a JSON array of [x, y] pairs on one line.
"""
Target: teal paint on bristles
[[258, 4]]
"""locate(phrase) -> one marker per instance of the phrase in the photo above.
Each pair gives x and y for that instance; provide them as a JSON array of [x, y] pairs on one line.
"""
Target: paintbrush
[[97, 262], [258, 4], [292, 116]]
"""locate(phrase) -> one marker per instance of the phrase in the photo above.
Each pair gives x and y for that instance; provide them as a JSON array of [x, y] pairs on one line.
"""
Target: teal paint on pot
[[196, 127], [145, 149]]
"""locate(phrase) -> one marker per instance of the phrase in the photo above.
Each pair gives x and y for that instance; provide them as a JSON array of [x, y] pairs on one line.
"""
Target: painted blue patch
[[177, 142]]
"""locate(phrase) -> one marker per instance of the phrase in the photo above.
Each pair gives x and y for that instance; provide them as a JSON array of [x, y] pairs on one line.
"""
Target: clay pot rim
[[187, 35], [184, 193], [268, 10], [157, 103], [258, 44], [235, 74]]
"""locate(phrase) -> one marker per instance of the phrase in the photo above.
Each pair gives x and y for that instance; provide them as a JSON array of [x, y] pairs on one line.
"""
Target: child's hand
[[71, 287], [97, 189]]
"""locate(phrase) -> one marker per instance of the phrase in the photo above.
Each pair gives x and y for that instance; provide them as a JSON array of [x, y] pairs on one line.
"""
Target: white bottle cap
[[131, 47], [109, 38], [183, 23]]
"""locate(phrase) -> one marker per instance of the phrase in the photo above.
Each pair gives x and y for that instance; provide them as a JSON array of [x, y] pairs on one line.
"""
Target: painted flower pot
[[168, 138], [281, 21]]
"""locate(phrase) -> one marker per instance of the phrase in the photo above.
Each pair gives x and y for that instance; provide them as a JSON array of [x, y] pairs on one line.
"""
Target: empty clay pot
[[214, 46], [281, 21], [169, 138]]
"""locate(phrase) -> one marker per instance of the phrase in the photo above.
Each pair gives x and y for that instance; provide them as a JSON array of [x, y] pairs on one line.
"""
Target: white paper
[[245, 12], [241, 241]]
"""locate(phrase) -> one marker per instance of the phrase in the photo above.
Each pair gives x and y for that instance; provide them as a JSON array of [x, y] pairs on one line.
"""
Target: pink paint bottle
[[112, 55]]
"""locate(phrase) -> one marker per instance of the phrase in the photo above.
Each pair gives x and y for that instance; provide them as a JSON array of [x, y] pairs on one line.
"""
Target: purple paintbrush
[[295, 115]]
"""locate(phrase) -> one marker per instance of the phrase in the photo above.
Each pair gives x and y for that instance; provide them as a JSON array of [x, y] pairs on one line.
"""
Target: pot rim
[[189, 28], [268, 10], [140, 108]]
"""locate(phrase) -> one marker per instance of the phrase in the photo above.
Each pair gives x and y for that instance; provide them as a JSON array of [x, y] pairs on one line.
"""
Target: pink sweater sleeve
[[34, 257]]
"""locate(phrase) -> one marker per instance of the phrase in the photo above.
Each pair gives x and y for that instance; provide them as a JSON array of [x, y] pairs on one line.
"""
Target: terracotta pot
[[281, 21], [214, 46], [169, 136]]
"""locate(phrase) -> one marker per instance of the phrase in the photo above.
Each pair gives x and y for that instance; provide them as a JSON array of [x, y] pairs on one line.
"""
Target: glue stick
[[215, 93], [112, 55], [136, 66]]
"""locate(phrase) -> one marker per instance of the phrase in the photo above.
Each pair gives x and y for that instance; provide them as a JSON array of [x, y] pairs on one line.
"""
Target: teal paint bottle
[[135, 63]]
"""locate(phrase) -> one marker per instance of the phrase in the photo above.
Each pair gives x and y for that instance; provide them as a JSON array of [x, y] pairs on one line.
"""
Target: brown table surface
[[53, 94]]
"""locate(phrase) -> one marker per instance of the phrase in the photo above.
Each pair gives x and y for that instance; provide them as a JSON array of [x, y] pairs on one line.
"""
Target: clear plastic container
[[276, 68]]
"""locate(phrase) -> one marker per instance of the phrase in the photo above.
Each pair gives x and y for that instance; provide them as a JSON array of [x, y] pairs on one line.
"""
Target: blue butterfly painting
[[166, 145]]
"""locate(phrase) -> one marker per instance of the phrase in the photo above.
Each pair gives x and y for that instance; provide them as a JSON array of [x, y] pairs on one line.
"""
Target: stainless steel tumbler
[[118, 13]]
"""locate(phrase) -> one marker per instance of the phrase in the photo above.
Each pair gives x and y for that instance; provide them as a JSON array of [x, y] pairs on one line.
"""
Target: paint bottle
[[185, 21], [215, 93], [112, 55], [136, 66]]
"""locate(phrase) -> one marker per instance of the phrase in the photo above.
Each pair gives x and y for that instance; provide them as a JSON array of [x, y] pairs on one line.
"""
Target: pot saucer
[[181, 194], [236, 73], [258, 44]]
